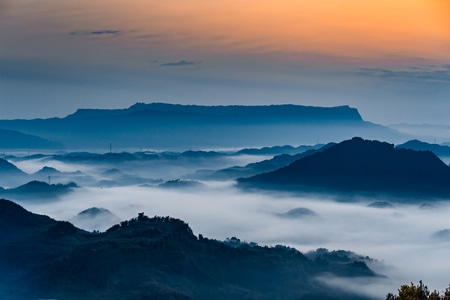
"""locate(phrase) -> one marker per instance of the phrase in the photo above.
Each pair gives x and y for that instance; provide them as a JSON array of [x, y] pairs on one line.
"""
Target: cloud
[[96, 32], [429, 73], [395, 236], [180, 63]]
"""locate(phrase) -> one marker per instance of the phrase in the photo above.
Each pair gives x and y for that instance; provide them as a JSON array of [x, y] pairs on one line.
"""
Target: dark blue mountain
[[95, 218], [38, 190], [417, 145], [364, 167], [251, 169], [9, 169], [278, 150], [159, 125], [154, 258], [10, 175], [11, 139]]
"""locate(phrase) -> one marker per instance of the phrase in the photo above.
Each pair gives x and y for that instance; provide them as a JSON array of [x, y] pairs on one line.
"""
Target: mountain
[[48, 171], [34, 190], [11, 139], [50, 174], [417, 145], [155, 258], [251, 169], [278, 150], [115, 177], [170, 126], [95, 218], [10, 175], [298, 213], [9, 169], [180, 184], [362, 167]]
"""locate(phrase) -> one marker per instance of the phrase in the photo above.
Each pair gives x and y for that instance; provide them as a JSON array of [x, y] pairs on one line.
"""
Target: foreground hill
[[364, 167], [153, 258], [169, 126]]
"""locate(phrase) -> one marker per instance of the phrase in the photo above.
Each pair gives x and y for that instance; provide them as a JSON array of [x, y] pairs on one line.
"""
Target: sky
[[389, 59]]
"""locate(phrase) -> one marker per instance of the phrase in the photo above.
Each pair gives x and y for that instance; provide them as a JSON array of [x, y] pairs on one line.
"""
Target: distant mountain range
[[37, 190], [156, 258], [363, 167], [251, 169], [10, 175], [12, 139], [169, 126], [439, 150]]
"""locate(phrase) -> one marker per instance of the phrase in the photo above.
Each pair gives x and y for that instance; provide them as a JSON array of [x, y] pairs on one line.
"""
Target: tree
[[418, 292]]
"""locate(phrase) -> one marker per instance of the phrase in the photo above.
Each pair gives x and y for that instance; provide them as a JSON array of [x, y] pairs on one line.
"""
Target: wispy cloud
[[180, 63], [430, 73], [96, 32]]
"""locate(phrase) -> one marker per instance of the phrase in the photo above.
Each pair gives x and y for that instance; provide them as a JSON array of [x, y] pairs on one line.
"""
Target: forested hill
[[154, 258], [359, 166]]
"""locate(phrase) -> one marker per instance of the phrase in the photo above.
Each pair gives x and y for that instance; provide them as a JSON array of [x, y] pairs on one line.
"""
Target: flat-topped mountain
[[282, 112], [153, 258], [170, 126], [365, 167]]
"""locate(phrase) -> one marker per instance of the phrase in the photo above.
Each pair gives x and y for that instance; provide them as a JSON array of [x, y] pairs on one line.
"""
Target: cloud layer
[[402, 238]]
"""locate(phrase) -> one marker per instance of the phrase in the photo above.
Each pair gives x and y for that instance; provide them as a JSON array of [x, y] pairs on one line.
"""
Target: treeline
[[418, 292]]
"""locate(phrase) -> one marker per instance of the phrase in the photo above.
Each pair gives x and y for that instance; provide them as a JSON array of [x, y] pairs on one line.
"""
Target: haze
[[401, 238]]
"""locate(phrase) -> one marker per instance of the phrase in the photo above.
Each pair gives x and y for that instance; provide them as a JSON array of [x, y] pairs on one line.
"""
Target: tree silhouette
[[418, 292]]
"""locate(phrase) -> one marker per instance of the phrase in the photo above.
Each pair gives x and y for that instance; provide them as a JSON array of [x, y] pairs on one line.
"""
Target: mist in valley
[[407, 242], [401, 239]]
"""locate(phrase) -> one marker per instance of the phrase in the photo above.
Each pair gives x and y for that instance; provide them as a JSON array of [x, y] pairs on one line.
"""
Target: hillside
[[153, 258], [252, 169], [11, 139], [360, 166], [10, 175], [439, 150], [38, 190], [170, 126]]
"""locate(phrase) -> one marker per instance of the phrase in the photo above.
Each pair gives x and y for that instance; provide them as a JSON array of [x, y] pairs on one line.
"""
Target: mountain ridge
[[362, 166], [175, 126], [154, 258]]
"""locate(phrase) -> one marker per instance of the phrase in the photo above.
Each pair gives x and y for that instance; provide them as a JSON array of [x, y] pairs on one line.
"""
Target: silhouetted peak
[[12, 214], [371, 155], [48, 171], [94, 211], [363, 166], [156, 225], [298, 213], [6, 166], [423, 146]]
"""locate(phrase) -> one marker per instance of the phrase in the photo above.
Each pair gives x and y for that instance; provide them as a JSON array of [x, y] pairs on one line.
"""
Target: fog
[[171, 167], [400, 239]]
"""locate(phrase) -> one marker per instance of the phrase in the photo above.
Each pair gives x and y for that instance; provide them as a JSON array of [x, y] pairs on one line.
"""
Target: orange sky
[[288, 29], [340, 28], [299, 50]]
